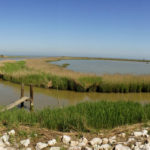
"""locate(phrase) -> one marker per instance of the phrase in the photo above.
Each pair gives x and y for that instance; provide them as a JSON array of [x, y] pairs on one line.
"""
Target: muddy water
[[10, 92]]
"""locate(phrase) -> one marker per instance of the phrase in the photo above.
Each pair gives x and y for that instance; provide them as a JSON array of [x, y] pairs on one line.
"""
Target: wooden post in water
[[22, 94], [31, 98]]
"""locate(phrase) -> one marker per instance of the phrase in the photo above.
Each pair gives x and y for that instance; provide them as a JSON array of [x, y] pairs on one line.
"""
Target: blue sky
[[101, 28]]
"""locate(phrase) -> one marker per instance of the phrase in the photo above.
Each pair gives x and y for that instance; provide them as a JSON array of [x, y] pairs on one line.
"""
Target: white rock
[[3, 148], [25, 143], [105, 140], [96, 147], [83, 139], [11, 132], [146, 147], [5, 139], [40, 146], [28, 148], [74, 148], [124, 143], [87, 148], [66, 139], [2, 144], [145, 132], [105, 147], [123, 135], [54, 148], [112, 140], [141, 147], [132, 146], [74, 143], [137, 134], [52, 142], [96, 141], [83, 142], [122, 147], [138, 143], [131, 139], [136, 148]]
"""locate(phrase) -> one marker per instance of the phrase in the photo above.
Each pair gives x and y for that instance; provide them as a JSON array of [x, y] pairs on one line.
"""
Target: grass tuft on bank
[[85, 117]]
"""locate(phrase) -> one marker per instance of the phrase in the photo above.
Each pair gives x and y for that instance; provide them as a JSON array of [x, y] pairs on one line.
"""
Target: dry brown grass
[[43, 65], [106, 82], [127, 78], [6, 61]]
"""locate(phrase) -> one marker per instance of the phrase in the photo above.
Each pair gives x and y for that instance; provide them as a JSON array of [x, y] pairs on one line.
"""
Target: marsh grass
[[86, 116], [13, 67], [65, 65], [20, 71]]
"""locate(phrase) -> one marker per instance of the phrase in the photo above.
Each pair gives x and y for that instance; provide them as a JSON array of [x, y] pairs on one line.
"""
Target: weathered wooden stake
[[22, 99], [31, 98], [22, 94]]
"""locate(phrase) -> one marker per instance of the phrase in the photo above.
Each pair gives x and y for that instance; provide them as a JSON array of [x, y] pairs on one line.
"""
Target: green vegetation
[[82, 117], [98, 58], [65, 65], [13, 67], [18, 72]]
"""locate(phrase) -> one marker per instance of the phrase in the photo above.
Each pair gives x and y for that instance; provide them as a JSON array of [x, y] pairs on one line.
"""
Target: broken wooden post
[[31, 98], [22, 94]]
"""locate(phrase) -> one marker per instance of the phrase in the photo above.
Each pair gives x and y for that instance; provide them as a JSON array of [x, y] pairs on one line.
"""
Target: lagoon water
[[106, 66], [53, 98]]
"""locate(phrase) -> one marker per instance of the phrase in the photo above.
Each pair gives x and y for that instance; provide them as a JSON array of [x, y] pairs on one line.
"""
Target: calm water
[[10, 92], [106, 66]]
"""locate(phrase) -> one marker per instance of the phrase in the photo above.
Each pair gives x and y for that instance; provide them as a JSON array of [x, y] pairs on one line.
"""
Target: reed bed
[[41, 74], [85, 117]]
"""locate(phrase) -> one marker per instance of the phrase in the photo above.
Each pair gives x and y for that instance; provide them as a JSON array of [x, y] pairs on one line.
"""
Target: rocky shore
[[135, 140]]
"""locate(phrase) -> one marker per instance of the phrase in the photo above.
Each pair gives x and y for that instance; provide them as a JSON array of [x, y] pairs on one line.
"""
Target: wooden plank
[[16, 103]]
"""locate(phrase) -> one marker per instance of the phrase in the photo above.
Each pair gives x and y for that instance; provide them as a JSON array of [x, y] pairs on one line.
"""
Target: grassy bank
[[19, 72], [98, 58], [82, 117]]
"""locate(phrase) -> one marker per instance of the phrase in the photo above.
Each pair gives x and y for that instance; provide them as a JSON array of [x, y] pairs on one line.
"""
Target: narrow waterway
[[10, 92]]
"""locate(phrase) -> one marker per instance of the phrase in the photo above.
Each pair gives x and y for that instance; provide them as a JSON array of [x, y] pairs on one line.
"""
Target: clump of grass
[[90, 80], [86, 116], [13, 67], [65, 65]]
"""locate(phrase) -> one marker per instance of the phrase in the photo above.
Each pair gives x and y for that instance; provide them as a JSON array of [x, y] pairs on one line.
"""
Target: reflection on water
[[52, 98], [106, 66]]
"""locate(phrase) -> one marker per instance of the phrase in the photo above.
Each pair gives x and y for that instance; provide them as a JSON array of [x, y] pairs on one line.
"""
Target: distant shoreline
[[40, 73], [80, 58]]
